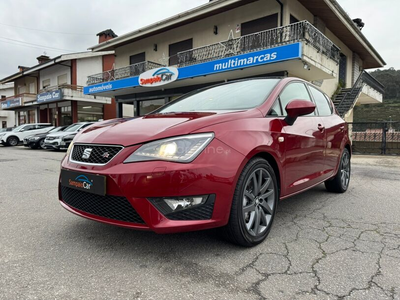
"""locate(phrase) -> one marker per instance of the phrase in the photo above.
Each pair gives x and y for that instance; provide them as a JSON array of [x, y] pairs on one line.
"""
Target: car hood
[[133, 131]]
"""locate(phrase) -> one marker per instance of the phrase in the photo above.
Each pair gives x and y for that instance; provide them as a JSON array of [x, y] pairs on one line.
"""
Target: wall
[[5, 115], [87, 67], [201, 31], [53, 72], [21, 85]]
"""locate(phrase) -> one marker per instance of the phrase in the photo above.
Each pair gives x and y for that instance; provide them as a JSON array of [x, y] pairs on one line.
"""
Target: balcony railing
[[61, 86], [129, 71], [297, 32]]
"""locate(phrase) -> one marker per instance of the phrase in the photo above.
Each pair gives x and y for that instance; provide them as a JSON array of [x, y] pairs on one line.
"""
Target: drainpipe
[[281, 4]]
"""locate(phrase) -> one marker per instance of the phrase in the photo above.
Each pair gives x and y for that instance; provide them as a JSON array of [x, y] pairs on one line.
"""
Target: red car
[[218, 157]]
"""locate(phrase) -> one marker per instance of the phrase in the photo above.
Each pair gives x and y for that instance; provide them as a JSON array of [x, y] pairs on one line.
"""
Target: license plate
[[94, 184]]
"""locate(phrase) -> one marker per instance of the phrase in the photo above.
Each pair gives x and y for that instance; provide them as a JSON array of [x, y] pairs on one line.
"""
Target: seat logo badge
[[105, 155], [86, 153]]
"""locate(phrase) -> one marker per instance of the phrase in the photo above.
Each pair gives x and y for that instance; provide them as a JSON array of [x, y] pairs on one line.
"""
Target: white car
[[55, 140], [14, 137]]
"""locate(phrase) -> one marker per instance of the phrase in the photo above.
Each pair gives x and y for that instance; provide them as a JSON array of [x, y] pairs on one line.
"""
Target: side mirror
[[297, 108]]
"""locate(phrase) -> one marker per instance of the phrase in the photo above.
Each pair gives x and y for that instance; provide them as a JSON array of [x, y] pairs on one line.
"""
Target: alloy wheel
[[345, 170], [41, 143], [258, 202], [13, 141]]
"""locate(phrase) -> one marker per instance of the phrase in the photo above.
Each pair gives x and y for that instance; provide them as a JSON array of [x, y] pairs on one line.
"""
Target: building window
[[254, 42], [260, 24], [65, 112], [90, 112], [135, 59], [175, 48], [32, 89], [3, 96], [293, 19], [62, 79], [46, 83]]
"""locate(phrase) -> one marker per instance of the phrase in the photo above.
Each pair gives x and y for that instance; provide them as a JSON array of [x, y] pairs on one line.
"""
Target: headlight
[[2, 134], [179, 149], [35, 138], [69, 148]]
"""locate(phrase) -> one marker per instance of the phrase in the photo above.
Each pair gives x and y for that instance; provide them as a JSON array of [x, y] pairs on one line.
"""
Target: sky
[[54, 27]]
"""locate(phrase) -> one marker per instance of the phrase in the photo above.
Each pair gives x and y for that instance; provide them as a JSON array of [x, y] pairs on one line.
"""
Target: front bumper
[[214, 172], [55, 144]]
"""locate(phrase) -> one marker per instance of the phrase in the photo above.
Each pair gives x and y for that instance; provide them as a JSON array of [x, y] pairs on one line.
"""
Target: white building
[[7, 118]]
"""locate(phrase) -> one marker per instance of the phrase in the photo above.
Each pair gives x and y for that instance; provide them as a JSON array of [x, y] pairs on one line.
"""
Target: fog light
[[179, 204], [170, 205]]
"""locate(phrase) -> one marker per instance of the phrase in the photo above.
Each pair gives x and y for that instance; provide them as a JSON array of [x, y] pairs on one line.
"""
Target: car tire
[[41, 144], [12, 141], [254, 204], [340, 182]]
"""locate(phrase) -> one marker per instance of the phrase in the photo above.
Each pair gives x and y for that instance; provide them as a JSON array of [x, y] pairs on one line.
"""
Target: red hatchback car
[[218, 157]]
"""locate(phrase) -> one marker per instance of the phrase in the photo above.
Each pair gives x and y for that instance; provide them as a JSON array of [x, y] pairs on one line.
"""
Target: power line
[[43, 46], [48, 31], [12, 43]]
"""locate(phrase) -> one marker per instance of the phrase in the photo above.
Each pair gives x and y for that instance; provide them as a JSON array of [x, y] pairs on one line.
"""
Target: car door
[[27, 131], [334, 127], [304, 143]]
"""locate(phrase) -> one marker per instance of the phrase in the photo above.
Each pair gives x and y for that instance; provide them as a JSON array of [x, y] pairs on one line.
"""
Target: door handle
[[321, 127]]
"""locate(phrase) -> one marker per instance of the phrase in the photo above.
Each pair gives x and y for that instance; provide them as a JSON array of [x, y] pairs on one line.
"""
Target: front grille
[[98, 155], [110, 207]]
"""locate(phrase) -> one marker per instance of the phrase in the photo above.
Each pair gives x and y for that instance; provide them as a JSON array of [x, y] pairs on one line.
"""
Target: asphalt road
[[322, 245]]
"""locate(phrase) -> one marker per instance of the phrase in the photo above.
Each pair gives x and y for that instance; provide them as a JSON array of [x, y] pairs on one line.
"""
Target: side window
[[291, 92], [275, 109], [29, 127], [323, 106]]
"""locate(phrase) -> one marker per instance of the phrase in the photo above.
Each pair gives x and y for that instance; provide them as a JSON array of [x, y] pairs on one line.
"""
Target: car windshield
[[73, 127], [240, 95], [18, 128], [57, 129]]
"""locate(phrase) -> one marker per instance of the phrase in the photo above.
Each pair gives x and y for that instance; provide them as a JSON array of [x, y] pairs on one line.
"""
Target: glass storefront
[[128, 110], [22, 117], [90, 112], [32, 116], [148, 106], [65, 112]]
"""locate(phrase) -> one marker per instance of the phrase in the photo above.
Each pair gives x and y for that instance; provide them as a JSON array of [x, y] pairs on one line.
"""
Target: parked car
[[54, 140], [14, 137], [218, 157], [66, 140], [37, 140], [6, 129]]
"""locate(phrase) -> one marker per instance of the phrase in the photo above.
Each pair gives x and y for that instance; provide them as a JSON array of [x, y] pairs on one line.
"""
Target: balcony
[[298, 49], [17, 100], [293, 33], [129, 71]]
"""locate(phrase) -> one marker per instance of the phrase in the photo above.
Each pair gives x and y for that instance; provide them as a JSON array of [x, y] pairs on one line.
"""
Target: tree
[[390, 78]]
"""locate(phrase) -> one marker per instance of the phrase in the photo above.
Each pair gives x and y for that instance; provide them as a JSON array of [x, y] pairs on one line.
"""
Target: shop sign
[[49, 96], [157, 77], [10, 103]]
